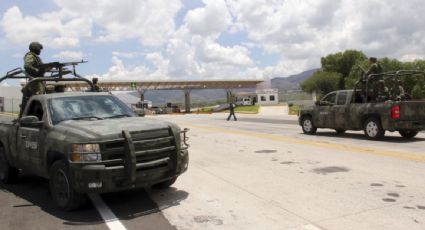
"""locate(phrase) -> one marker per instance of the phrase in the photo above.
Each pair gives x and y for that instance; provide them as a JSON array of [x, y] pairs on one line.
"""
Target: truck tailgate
[[412, 110]]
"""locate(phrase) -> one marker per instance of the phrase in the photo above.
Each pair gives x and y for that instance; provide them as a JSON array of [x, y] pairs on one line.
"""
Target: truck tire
[[408, 133], [373, 129], [165, 184], [61, 189], [308, 126], [8, 174], [340, 131]]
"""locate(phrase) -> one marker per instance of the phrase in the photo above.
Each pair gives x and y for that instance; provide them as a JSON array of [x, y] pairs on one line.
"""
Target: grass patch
[[247, 109], [293, 109], [206, 109]]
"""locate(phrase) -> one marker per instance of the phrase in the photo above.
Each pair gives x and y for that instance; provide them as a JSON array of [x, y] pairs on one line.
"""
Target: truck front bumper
[[97, 178]]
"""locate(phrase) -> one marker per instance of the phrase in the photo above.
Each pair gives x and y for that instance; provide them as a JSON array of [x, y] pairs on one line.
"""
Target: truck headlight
[[86, 153]]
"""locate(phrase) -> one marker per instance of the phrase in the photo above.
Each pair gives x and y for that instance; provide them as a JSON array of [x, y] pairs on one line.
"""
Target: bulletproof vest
[[35, 65]]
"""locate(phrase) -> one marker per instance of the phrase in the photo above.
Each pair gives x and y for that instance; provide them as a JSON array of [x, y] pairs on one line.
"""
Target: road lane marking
[[108, 216], [8, 114], [315, 143]]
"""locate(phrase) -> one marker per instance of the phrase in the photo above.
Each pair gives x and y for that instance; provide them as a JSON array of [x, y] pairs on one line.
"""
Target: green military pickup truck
[[90, 142], [346, 110]]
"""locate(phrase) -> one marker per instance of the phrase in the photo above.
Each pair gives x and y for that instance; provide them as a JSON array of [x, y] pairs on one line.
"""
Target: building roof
[[158, 85]]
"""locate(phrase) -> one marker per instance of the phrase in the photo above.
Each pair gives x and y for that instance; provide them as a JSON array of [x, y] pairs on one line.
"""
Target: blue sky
[[207, 39]]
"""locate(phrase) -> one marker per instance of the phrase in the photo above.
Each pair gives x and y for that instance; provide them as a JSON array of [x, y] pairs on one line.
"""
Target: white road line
[[108, 216], [310, 227]]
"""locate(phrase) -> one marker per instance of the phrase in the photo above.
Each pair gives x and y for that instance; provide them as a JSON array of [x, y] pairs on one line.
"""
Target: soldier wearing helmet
[[32, 66], [95, 85], [32, 61], [375, 67]]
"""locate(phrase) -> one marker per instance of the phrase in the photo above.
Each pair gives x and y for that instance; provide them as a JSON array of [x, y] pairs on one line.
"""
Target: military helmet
[[34, 46], [373, 59]]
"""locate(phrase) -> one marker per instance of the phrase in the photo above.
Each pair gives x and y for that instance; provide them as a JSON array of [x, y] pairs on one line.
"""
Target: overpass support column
[[142, 94], [187, 101], [230, 98]]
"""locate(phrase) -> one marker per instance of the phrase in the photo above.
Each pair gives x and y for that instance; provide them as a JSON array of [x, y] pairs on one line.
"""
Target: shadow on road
[[361, 136], [136, 203], [125, 205], [35, 191]]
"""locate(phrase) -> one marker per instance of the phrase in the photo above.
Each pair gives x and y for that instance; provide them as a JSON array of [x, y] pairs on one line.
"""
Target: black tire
[[61, 189], [373, 129], [340, 131], [408, 133], [308, 126], [165, 184], [8, 174]]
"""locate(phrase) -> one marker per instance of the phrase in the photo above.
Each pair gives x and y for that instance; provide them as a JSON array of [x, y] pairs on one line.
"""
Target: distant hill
[[292, 82]]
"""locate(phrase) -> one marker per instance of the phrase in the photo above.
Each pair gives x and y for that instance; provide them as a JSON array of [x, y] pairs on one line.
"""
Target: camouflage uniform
[[375, 68], [383, 93], [399, 92], [32, 64], [373, 84]]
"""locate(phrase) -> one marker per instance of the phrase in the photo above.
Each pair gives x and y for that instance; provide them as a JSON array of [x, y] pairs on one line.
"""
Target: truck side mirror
[[30, 121]]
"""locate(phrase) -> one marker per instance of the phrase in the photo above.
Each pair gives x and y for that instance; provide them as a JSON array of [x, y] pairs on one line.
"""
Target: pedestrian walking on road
[[232, 112]]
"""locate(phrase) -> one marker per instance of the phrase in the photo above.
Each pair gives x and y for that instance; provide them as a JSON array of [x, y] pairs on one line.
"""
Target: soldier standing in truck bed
[[375, 67], [32, 65]]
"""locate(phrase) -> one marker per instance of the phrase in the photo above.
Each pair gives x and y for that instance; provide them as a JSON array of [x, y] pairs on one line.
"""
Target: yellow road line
[[322, 144], [8, 114]]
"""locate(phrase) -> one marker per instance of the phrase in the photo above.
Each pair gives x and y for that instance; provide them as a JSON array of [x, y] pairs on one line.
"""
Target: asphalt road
[[256, 173]]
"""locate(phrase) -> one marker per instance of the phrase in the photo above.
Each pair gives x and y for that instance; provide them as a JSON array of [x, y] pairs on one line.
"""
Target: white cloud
[[69, 56], [128, 55], [50, 28], [150, 21], [210, 20], [296, 34]]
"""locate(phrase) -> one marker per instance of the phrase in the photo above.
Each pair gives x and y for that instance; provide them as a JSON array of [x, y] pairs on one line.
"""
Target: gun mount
[[57, 72]]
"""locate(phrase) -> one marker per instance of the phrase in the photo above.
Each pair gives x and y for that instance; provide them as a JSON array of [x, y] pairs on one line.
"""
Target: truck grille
[[153, 149]]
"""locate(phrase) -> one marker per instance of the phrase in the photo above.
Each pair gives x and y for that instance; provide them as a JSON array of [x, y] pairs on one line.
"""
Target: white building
[[10, 99], [267, 96]]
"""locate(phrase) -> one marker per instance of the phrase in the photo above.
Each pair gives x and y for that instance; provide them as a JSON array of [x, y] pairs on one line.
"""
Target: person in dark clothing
[[375, 67], [95, 85], [232, 112]]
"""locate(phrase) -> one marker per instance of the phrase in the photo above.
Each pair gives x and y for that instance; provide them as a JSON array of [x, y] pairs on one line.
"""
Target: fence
[[294, 96]]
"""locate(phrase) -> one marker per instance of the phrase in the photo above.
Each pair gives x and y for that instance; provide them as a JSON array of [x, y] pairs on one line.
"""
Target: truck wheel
[[165, 184], [408, 133], [61, 188], [373, 129], [308, 126], [340, 131], [8, 174]]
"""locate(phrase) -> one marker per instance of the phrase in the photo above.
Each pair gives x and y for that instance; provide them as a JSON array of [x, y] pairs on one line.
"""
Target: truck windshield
[[87, 108]]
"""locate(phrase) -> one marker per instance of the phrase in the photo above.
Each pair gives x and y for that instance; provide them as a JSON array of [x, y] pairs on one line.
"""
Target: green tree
[[418, 91], [322, 83], [342, 63]]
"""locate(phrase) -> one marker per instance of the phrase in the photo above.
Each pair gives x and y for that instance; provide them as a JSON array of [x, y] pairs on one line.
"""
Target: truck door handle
[[23, 136]]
